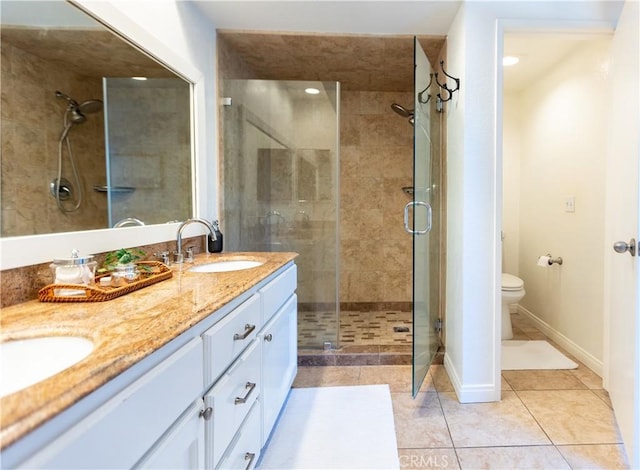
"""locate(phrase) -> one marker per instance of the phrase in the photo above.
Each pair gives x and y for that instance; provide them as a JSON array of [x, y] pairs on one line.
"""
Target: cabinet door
[[279, 362], [120, 432], [182, 447]]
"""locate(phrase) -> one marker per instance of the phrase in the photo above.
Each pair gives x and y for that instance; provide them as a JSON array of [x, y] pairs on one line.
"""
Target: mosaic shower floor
[[366, 337]]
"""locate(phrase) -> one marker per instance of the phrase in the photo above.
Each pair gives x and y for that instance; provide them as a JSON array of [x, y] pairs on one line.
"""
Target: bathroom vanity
[[189, 373]]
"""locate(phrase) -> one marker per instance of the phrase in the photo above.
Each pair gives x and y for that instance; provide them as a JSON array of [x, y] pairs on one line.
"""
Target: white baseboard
[[572, 348], [481, 393]]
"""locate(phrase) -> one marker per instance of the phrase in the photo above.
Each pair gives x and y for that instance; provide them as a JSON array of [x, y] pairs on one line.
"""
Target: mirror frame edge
[[23, 251]]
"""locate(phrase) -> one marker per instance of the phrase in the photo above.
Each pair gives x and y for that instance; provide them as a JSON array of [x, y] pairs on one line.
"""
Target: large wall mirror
[[95, 133]]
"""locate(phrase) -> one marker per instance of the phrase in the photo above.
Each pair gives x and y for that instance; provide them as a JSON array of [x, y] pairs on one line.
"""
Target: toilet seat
[[511, 283]]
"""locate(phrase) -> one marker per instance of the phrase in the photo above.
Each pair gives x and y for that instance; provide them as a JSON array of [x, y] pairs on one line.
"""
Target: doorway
[[614, 114]]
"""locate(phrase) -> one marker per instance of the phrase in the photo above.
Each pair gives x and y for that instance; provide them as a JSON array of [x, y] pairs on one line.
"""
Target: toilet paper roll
[[543, 261]]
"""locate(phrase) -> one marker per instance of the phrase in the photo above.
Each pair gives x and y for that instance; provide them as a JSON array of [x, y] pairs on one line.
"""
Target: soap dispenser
[[215, 246]]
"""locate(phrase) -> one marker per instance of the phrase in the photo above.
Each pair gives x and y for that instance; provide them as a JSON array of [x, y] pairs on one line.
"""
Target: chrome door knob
[[623, 247]]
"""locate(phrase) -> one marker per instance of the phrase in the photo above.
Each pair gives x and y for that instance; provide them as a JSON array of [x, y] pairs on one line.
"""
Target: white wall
[[511, 154], [563, 136], [474, 198], [472, 356]]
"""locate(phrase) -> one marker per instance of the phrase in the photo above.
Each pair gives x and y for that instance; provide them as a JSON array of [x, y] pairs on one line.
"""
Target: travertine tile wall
[[32, 121], [376, 161]]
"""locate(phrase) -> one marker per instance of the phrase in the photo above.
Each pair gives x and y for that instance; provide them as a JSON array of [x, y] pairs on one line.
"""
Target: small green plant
[[121, 256]]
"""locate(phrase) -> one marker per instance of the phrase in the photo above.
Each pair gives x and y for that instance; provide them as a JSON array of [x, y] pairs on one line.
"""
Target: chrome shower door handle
[[406, 217]]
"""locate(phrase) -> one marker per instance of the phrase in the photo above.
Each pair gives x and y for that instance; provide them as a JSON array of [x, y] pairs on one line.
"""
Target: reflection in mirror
[[84, 146]]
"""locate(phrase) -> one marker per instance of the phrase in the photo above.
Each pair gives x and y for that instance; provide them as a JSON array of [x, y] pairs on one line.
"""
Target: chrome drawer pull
[[249, 456], [247, 331], [268, 338], [249, 386]]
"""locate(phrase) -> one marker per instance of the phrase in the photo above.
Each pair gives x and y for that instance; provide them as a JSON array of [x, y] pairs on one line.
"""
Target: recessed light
[[138, 78], [510, 60], [312, 91]]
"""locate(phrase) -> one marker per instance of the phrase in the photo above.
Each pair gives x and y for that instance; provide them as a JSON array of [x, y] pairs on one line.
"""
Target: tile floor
[[551, 419]]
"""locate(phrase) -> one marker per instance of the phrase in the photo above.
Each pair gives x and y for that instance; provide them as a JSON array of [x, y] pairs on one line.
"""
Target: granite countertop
[[124, 331]]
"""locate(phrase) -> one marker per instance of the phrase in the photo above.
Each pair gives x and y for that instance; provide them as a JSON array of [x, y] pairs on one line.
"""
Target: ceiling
[[306, 40], [396, 17]]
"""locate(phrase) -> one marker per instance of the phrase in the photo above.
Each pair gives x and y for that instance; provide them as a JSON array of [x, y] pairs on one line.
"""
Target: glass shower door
[[425, 249]]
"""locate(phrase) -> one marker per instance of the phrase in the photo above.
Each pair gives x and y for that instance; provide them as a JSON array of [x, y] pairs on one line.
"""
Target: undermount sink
[[24, 362], [226, 266]]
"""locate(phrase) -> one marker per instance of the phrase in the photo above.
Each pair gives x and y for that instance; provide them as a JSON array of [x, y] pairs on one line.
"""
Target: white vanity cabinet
[[258, 367], [182, 448], [279, 362], [121, 431], [209, 399]]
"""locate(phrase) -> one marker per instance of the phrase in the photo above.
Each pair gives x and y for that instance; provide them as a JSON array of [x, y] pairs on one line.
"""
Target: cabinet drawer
[[244, 451], [121, 431], [225, 340], [231, 399], [275, 293]]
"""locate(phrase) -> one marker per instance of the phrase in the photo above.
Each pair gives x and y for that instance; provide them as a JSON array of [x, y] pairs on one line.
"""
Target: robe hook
[[444, 85], [421, 94]]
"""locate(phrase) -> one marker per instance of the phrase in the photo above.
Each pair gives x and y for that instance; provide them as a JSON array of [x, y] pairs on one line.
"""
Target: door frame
[[538, 26]]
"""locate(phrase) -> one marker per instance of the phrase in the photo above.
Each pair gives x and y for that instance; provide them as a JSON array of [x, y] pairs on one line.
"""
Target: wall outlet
[[570, 204]]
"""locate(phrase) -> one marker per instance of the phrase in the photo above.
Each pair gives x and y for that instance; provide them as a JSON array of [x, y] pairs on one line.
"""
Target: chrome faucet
[[212, 233]]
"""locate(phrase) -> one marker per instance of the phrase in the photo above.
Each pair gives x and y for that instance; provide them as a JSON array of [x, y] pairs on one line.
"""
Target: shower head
[[90, 106], [402, 111], [77, 111]]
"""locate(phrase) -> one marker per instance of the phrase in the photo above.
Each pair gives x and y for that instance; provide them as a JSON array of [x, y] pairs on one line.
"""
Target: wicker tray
[[97, 293]]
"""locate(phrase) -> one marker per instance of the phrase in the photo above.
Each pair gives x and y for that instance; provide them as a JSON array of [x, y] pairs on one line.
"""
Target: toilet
[[512, 293]]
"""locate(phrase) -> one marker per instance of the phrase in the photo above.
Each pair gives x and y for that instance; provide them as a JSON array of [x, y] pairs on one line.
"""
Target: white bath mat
[[525, 355], [334, 428]]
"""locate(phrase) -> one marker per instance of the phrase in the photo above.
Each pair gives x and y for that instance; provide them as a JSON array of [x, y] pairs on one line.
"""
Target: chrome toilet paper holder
[[553, 260]]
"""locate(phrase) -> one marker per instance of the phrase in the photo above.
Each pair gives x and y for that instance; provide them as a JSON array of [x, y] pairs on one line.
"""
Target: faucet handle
[[164, 257], [188, 258]]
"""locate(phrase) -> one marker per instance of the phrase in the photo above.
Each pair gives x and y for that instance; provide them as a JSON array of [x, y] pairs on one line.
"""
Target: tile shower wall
[[32, 120], [376, 162]]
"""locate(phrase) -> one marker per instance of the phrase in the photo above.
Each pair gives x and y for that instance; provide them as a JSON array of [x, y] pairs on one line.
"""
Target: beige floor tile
[[418, 459], [572, 416], [503, 423], [441, 378], [505, 385], [525, 457], [315, 376], [605, 456], [542, 380], [588, 377], [398, 377], [604, 396], [419, 422]]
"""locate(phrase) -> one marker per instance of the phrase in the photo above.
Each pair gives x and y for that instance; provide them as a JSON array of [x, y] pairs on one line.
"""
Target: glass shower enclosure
[[279, 174]]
